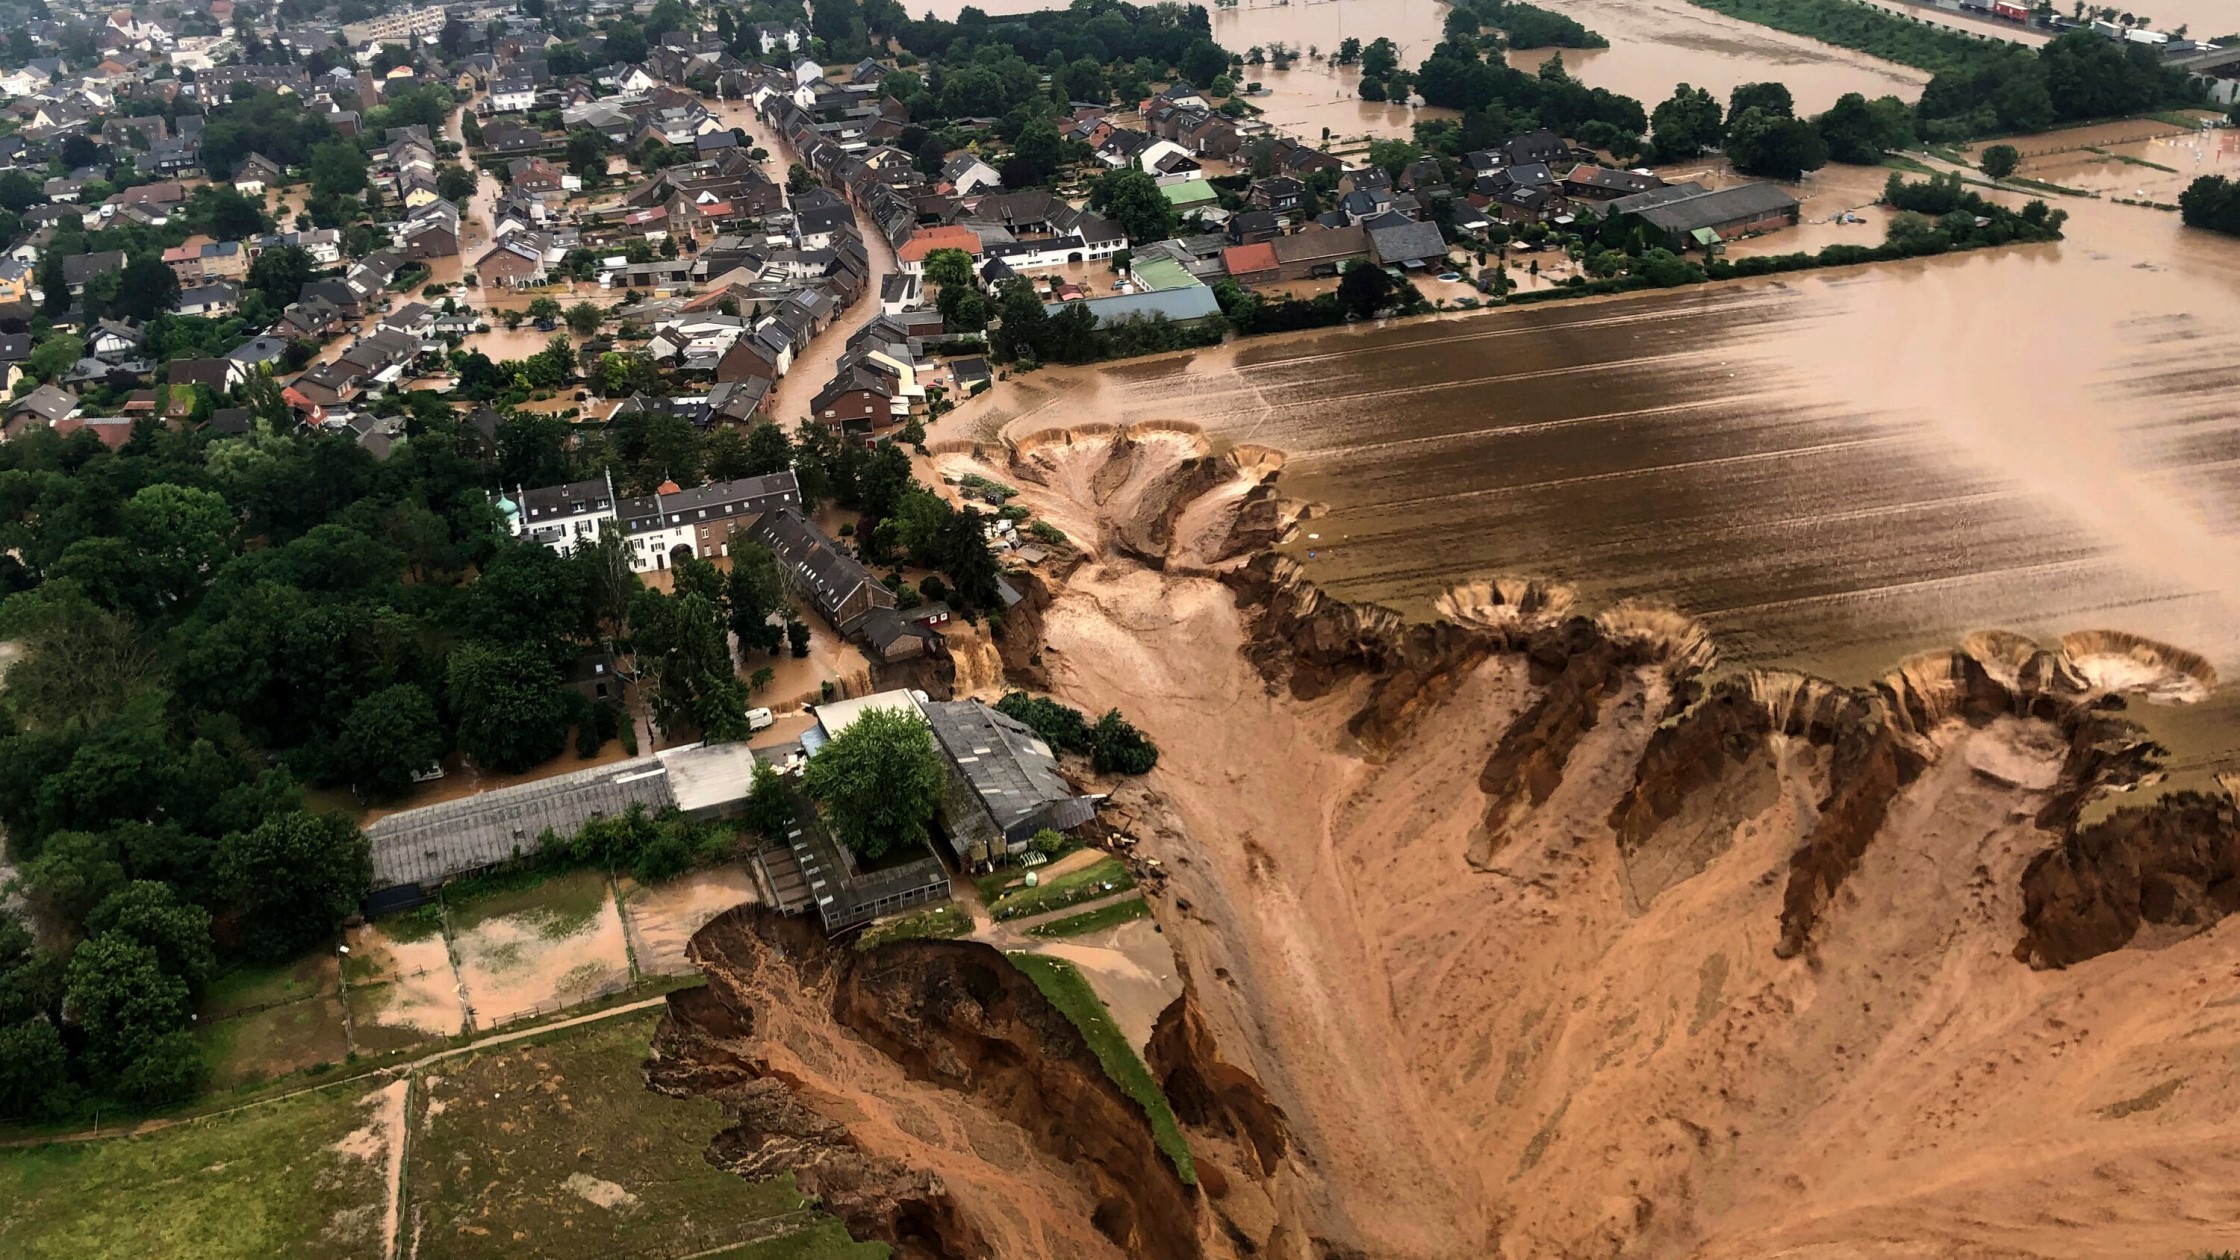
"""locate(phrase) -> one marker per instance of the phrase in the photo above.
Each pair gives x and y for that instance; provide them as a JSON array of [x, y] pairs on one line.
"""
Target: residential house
[[967, 174], [44, 407], [1318, 252], [513, 95], [516, 260], [830, 580], [215, 300], [700, 521], [255, 174], [1279, 193], [1589, 182]]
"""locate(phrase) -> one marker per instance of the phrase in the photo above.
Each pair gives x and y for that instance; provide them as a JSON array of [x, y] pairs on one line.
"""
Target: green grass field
[[1096, 920], [548, 1147], [1086, 884], [1062, 983], [559, 1141], [260, 1183]]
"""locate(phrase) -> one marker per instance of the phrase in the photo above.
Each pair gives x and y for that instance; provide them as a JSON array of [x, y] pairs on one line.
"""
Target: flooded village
[[1283, 628]]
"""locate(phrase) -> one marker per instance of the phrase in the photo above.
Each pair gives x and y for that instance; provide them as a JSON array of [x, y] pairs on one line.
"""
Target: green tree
[[1379, 59], [508, 704], [295, 876], [1685, 125], [753, 595], [2000, 160], [182, 535], [54, 355], [1060, 726], [799, 179], [456, 183], [1767, 98], [74, 872], [1204, 61], [946, 267], [1134, 202], [33, 1064], [388, 737], [584, 319], [1119, 748], [1774, 145], [879, 782], [338, 169], [280, 274], [150, 913], [171, 1069], [768, 450], [769, 808], [1036, 155], [544, 310], [124, 1001], [1365, 289], [1859, 131], [685, 656]]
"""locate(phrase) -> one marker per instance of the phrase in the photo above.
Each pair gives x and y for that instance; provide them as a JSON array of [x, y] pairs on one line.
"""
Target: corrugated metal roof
[[433, 843], [1006, 784]]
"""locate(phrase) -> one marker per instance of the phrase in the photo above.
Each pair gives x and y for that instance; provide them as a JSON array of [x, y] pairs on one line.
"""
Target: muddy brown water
[[1834, 470], [1654, 44]]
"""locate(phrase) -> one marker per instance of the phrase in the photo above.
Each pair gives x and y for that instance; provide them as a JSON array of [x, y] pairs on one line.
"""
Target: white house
[[1160, 151], [806, 72], [513, 96], [968, 175], [773, 37]]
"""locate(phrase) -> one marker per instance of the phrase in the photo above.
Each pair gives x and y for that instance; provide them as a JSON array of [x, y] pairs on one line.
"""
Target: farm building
[[1690, 214], [415, 851]]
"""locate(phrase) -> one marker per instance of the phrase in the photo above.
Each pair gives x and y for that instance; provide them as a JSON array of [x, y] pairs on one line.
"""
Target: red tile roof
[[1245, 259]]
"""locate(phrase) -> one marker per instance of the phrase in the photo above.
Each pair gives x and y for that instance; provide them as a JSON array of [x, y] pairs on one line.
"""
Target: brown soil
[[663, 918], [1547, 939], [929, 1095]]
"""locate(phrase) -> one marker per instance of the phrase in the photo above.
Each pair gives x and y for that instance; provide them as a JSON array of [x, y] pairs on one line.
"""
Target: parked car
[[760, 719]]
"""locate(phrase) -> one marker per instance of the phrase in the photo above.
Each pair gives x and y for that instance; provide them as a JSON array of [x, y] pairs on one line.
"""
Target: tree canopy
[[879, 782]]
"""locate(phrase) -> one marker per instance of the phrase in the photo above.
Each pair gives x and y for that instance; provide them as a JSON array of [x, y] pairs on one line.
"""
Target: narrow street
[[789, 401]]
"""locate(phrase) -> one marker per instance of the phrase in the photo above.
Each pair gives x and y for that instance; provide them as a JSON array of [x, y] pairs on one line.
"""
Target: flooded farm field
[[1833, 470], [1655, 44]]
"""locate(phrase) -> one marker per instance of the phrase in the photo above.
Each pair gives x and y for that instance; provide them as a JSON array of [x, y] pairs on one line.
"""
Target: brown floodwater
[[1833, 470], [1655, 44]]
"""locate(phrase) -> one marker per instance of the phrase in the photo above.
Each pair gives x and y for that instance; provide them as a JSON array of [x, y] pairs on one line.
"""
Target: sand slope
[[1562, 1049]]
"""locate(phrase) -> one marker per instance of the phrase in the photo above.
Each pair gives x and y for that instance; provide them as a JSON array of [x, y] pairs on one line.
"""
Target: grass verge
[[939, 923], [1093, 920], [1062, 983]]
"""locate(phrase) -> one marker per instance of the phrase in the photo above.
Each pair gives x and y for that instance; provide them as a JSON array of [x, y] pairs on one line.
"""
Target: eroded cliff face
[[925, 1091], [1539, 934]]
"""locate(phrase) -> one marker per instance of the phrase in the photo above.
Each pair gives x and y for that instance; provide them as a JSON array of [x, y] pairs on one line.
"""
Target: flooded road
[[1834, 470]]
